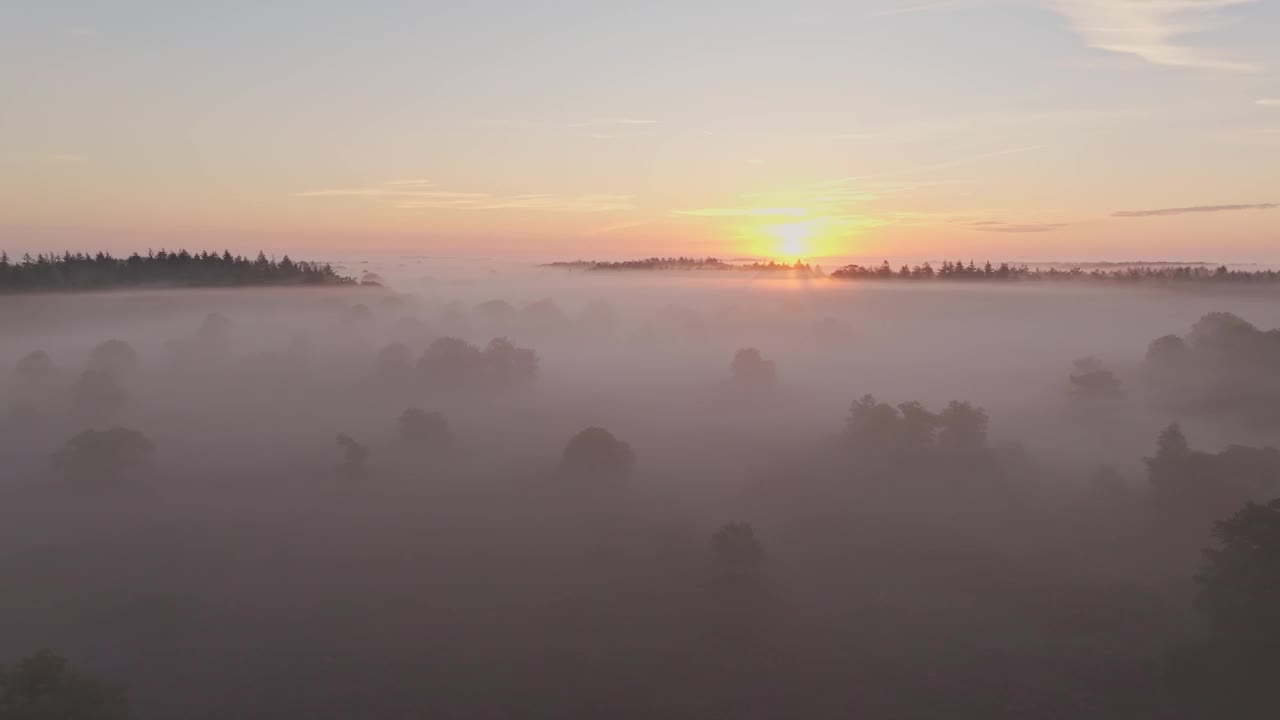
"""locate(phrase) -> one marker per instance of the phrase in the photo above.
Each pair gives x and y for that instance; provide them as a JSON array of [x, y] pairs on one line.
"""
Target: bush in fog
[[114, 356], [44, 686], [34, 368], [98, 393], [751, 371], [1093, 381], [736, 548], [354, 457], [1240, 580], [110, 455], [596, 453], [423, 431]]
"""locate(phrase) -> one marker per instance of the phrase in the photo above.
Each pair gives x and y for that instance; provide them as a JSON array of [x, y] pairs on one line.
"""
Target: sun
[[793, 238]]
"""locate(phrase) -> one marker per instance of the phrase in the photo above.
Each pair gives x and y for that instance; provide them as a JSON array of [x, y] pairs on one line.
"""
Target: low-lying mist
[[487, 490]]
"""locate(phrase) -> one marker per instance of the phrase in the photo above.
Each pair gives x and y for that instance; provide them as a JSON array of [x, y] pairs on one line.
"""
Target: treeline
[[958, 270], [680, 263], [82, 271]]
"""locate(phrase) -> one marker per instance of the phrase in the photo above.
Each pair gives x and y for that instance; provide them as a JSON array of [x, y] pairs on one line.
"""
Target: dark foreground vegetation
[[294, 505], [82, 271]]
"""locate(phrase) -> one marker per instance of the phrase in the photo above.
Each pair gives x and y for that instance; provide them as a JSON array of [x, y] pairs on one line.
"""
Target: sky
[[989, 129]]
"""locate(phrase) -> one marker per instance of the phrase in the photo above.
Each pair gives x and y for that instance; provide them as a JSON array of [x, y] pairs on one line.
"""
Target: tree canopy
[[82, 271]]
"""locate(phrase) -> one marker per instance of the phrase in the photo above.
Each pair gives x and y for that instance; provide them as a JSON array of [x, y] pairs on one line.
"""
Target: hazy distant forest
[[947, 270], [491, 491]]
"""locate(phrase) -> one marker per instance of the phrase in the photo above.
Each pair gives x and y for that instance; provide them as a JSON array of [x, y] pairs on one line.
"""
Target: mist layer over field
[[493, 490]]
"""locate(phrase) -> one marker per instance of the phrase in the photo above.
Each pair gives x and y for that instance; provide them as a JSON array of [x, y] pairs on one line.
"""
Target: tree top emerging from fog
[[81, 271]]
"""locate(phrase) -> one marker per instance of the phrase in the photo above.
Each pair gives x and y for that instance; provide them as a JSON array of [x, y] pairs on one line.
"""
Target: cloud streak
[[615, 122], [999, 227], [744, 212], [1151, 29], [1193, 209], [423, 195]]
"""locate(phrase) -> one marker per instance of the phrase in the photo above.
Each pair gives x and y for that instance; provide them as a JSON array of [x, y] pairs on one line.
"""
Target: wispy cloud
[[67, 159], [745, 212], [1152, 29], [1269, 102], [911, 8], [614, 122], [422, 194], [1193, 209], [1248, 135], [999, 227]]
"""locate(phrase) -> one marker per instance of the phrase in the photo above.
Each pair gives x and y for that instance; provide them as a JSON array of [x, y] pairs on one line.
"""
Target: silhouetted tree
[[1092, 381], [359, 316], [395, 362], [916, 426], [1193, 482], [81, 271], [736, 548], [496, 314], [35, 368], [751, 371], [509, 366], [410, 331], [872, 424], [451, 362], [354, 457], [598, 318], [962, 427], [1226, 366], [424, 431], [214, 329], [1168, 353], [596, 453], [44, 686], [831, 332], [1240, 581], [544, 316]]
